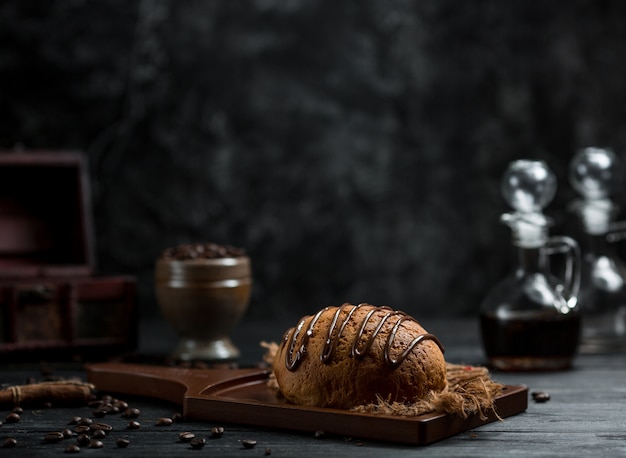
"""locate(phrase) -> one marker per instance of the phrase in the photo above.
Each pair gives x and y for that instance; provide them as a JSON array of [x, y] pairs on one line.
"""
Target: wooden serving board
[[242, 396]]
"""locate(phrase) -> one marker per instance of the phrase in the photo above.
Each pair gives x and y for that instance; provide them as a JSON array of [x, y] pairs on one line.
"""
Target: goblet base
[[206, 350]]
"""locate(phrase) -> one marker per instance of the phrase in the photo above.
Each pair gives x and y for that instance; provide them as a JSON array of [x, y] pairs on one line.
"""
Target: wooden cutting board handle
[[171, 384]]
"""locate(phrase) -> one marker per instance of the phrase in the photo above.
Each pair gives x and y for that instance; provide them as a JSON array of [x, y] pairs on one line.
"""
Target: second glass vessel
[[595, 173]]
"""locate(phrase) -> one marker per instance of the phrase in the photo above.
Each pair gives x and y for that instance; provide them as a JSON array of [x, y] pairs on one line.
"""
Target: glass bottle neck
[[530, 260], [596, 245]]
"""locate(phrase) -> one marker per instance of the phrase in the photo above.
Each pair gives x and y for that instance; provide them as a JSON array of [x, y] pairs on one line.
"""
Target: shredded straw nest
[[470, 390]]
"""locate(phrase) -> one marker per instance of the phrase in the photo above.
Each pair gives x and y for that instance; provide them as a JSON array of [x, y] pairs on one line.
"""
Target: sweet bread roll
[[350, 355]]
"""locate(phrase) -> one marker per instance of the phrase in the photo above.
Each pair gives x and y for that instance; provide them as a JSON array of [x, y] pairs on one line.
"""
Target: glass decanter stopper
[[595, 174], [530, 319]]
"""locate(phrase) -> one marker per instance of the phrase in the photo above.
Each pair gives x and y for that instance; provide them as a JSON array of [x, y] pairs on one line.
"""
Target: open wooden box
[[52, 301]]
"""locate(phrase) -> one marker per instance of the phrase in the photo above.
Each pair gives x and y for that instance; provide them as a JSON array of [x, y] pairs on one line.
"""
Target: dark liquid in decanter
[[531, 342]]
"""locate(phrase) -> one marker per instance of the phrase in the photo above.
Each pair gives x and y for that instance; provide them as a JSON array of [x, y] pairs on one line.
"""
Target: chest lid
[[45, 215]]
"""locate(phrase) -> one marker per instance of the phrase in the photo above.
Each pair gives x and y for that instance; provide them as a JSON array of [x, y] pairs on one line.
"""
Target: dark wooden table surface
[[586, 415]]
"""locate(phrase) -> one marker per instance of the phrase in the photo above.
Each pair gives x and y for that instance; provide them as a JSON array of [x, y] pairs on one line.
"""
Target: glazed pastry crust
[[345, 379]]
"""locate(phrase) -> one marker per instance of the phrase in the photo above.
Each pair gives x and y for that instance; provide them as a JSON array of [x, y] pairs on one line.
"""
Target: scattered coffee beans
[[120, 405], [91, 434], [85, 422], [83, 440], [96, 444], [54, 436], [99, 434], [186, 436], [540, 396], [109, 408], [103, 426], [164, 421], [247, 443], [122, 443], [12, 418], [9, 442], [197, 443], [131, 413], [133, 425], [217, 431]]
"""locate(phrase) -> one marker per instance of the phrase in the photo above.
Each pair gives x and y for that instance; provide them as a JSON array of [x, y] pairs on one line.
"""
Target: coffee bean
[[164, 421], [540, 396], [131, 413], [99, 434], [18, 410], [319, 434], [217, 431], [83, 440], [122, 443], [46, 405], [99, 413], [80, 429], [55, 436], [197, 442], [67, 433], [268, 451], [186, 436], [103, 426], [247, 443], [109, 408], [133, 425], [85, 421], [96, 444], [13, 418], [9, 442], [74, 420], [121, 405], [72, 448], [177, 417]]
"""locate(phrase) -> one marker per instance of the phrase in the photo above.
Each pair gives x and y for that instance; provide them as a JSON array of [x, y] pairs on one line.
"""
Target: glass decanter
[[595, 174], [530, 320]]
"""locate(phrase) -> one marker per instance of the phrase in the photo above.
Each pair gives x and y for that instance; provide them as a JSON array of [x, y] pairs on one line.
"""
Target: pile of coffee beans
[[202, 251]]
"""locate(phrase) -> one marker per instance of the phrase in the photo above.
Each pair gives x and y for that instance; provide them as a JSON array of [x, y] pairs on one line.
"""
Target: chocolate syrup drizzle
[[359, 348]]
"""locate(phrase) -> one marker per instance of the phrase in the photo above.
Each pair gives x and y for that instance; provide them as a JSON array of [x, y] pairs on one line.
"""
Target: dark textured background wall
[[354, 148]]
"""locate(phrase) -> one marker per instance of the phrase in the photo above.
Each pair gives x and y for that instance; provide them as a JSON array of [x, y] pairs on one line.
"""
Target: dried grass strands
[[470, 390]]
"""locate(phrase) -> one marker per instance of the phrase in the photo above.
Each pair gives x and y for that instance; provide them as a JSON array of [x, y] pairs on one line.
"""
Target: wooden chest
[[53, 302]]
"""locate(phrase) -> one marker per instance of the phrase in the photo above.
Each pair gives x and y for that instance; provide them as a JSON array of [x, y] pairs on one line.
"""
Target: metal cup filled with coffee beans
[[203, 290]]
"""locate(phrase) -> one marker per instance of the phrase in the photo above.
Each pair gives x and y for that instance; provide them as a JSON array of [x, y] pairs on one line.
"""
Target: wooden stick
[[58, 393]]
